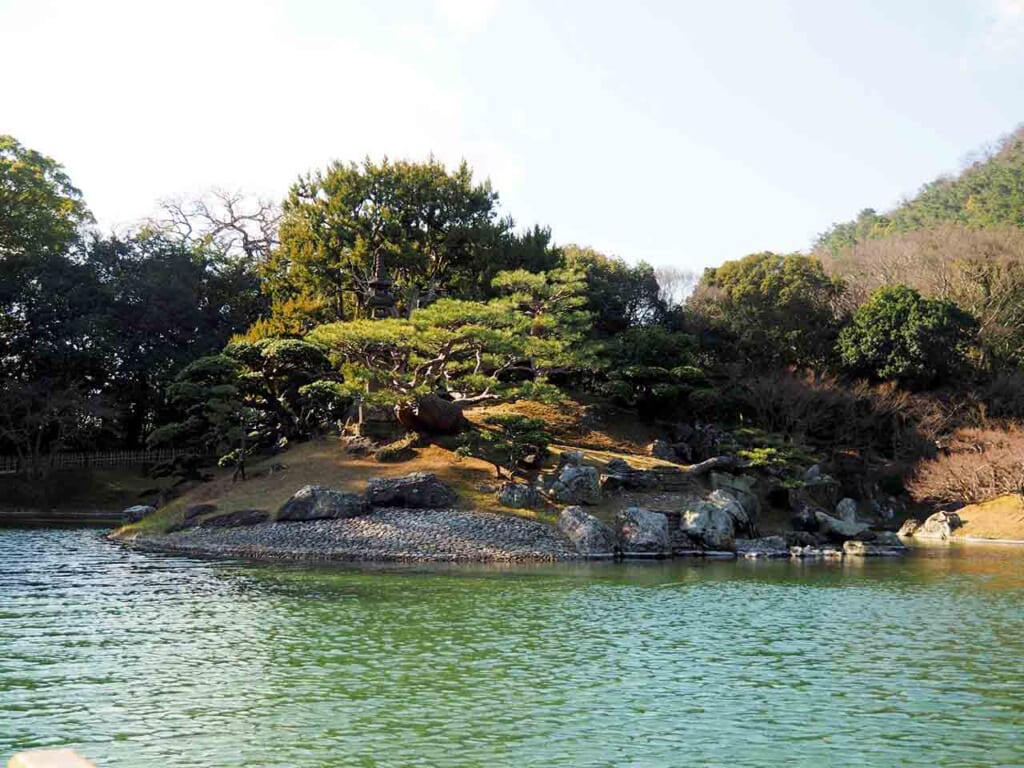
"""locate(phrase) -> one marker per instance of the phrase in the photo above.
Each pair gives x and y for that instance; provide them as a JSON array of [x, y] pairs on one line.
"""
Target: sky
[[681, 133]]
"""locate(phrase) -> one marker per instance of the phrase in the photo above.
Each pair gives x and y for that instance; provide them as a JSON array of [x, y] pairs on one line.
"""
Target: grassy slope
[[327, 463], [999, 518], [66, 494]]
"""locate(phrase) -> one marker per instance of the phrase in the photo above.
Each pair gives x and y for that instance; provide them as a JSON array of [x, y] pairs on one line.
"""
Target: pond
[[148, 660]]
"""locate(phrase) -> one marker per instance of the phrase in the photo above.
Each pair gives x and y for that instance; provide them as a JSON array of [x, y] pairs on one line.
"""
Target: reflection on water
[[143, 660]]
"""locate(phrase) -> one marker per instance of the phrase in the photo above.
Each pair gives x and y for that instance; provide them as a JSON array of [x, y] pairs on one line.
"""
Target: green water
[[144, 660]]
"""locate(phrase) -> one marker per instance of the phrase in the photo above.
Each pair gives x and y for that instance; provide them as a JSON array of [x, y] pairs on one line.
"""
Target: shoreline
[[385, 535], [20, 516]]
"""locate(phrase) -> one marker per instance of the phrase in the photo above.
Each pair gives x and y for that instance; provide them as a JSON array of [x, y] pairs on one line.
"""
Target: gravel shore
[[387, 535]]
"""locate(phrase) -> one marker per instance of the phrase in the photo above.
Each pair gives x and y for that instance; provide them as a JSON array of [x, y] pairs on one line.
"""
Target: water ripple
[[145, 660]]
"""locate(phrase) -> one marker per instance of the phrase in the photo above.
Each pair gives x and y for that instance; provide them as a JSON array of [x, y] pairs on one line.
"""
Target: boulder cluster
[[420, 490], [723, 523]]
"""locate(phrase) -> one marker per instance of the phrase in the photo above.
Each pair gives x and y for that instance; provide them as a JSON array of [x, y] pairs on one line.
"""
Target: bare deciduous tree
[[675, 285], [238, 225]]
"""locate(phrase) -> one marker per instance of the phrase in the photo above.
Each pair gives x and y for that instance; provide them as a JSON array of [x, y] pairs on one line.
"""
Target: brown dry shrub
[[975, 464], [871, 418]]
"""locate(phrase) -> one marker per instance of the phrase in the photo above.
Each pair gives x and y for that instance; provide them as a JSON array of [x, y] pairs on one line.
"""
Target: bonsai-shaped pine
[[513, 438]]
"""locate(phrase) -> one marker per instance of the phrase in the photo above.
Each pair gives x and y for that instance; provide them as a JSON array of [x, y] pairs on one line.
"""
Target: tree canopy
[[778, 308]]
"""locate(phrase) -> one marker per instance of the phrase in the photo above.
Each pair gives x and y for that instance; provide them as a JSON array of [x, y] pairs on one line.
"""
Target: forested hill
[[987, 194]]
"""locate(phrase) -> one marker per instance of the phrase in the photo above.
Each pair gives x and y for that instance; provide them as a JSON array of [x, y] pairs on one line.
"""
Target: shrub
[[399, 450], [822, 410], [899, 335], [778, 308], [513, 438], [976, 464]]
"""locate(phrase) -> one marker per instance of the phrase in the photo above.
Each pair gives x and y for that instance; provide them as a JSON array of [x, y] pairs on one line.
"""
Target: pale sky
[[681, 133]]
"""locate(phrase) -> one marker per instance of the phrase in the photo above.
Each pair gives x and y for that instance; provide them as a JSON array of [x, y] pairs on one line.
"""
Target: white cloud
[[466, 16]]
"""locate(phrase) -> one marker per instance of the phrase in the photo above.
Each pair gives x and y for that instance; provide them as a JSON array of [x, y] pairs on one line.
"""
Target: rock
[[519, 496], [887, 539], [741, 488], [804, 539], [420, 490], [741, 520], [846, 510], [683, 452], [590, 536], [315, 502], [236, 519], [571, 459], [767, 547], [710, 524], [812, 474], [198, 510], [660, 449], [909, 526], [804, 520], [192, 513], [872, 549], [578, 485], [822, 493], [136, 513], [618, 466], [619, 476], [836, 530], [642, 531], [432, 414], [939, 526], [813, 552], [359, 445]]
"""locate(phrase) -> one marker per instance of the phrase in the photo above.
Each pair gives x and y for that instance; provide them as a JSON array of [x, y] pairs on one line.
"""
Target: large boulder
[[742, 518], [620, 476], [420, 490], [590, 536], [846, 510], [642, 531], [741, 488], [432, 414], [804, 520], [909, 526], [939, 526], [571, 459], [577, 485], [710, 524], [821, 492], [192, 514], [837, 530], [519, 496], [136, 513], [236, 519], [315, 502], [661, 449]]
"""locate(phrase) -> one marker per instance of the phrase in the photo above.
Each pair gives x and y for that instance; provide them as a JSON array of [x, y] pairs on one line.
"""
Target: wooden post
[[49, 758]]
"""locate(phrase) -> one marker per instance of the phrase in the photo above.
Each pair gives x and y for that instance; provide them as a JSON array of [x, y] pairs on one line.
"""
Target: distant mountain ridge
[[988, 193]]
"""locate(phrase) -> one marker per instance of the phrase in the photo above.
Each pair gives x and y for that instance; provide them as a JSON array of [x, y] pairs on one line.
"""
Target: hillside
[[988, 193], [601, 437]]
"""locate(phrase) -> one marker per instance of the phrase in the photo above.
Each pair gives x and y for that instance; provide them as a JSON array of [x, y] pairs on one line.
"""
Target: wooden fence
[[84, 459]]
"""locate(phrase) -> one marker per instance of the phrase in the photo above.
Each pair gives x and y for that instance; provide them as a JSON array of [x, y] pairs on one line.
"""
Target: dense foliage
[[988, 193], [776, 308], [228, 325], [899, 334]]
